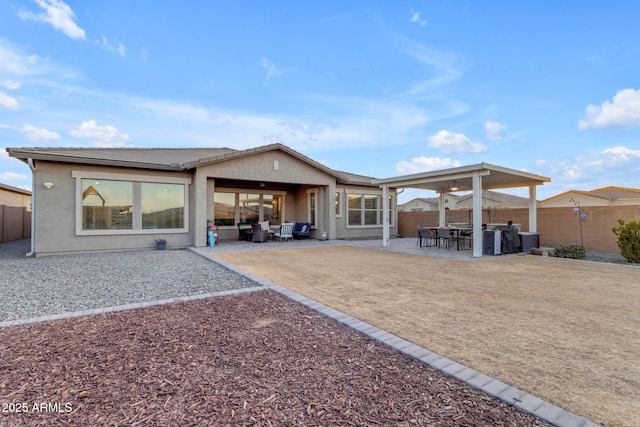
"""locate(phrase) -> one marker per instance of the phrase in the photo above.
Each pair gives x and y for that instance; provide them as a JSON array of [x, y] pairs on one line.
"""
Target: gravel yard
[[33, 287]]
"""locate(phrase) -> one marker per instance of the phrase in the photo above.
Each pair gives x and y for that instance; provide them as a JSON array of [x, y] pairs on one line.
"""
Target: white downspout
[[32, 166]]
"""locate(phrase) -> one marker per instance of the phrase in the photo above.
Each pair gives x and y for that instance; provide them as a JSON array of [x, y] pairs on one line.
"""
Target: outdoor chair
[[259, 234], [465, 236], [244, 232], [444, 236], [301, 229], [426, 237], [285, 232]]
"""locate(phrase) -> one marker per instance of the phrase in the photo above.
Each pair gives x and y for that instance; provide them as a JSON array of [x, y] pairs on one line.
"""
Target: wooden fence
[[556, 226], [15, 223]]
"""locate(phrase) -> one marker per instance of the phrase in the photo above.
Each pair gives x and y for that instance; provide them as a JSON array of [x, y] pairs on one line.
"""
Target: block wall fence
[[15, 223], [556, 226]]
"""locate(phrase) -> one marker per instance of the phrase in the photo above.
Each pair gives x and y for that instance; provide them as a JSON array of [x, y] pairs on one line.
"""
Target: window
[[371, 210], [107, 205], [231, 207], [112, 203], [224, 208], [272, 204], [355, 209], [338, 204], [249, 208], [313, 195], [162, 205], [365, 210]]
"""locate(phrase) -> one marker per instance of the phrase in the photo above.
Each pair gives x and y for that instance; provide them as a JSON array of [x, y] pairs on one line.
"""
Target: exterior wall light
[[48, 185]]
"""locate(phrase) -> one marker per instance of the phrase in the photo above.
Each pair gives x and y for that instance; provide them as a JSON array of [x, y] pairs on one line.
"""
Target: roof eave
[[24, 155]]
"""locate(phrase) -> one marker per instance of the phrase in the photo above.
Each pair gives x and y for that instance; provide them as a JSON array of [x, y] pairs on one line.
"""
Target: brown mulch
[[255, 359]]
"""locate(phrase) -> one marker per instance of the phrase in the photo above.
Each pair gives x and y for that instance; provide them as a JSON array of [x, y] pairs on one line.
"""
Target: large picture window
[[111, 203], [107, 205], [162, 205]]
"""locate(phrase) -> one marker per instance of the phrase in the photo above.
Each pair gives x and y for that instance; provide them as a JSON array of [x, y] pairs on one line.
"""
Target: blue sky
[[380, 88]]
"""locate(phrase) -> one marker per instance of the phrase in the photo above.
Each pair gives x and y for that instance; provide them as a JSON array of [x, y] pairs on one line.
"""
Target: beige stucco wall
[[55, 213], [585, 200], [344, 231], [55, 208], [12, 198]]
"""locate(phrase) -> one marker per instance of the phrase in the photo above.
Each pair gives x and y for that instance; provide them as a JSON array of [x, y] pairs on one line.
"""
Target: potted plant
[[161, 243]]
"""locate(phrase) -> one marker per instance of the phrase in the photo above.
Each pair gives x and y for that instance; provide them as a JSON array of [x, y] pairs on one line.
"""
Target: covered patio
[[475, 178]]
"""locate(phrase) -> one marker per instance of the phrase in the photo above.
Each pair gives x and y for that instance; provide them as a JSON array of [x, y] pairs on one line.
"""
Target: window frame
[[362, 209], [137, 181], [338, 204], [237, 191]]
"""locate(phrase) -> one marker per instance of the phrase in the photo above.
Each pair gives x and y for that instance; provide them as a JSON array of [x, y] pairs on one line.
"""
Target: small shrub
[[628, 235], [572, 251]]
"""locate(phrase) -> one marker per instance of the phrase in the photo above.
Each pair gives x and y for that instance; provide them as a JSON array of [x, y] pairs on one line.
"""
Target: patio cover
[[482, 176]]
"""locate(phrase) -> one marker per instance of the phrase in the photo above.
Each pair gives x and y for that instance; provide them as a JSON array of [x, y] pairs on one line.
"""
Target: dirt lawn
[[564, 330]]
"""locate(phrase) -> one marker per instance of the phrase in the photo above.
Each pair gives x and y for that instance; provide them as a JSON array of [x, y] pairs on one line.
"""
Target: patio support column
[[331, 214], [199, 200], [385, 216], [533, 209], [477, 214], [443, 213]]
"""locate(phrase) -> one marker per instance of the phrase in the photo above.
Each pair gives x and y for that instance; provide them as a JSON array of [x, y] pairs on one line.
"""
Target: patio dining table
[[454, 232]]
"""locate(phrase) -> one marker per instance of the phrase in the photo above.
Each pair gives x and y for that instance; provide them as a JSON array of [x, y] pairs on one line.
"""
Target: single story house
[[421, 204], [490, 200], [494, 200], [14, 196], [99, 199], [605, 196]]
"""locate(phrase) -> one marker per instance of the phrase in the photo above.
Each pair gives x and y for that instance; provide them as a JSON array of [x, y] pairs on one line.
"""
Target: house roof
[[14, 189], [145, 158], [608, 193], [429, 200], [171, 159], [498, 197]]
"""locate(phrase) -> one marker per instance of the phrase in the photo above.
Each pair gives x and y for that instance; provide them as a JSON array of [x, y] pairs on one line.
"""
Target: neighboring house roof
[[176, 159], [607, 193], [616, 193], [498, 197], [14, 189]]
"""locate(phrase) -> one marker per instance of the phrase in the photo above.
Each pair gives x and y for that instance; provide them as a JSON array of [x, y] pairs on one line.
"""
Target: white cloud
[[619, 163], [58, 14], [102, 136], [7, 102], [12, 176], [13, 62], [621, 155], [494, 130], [39, 134], [444, 68], [116, 46], [595, 57], [270, 67], [540, 163], [11, 84], [416, 18], [425, 164], [623, 111], [450, 143]]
